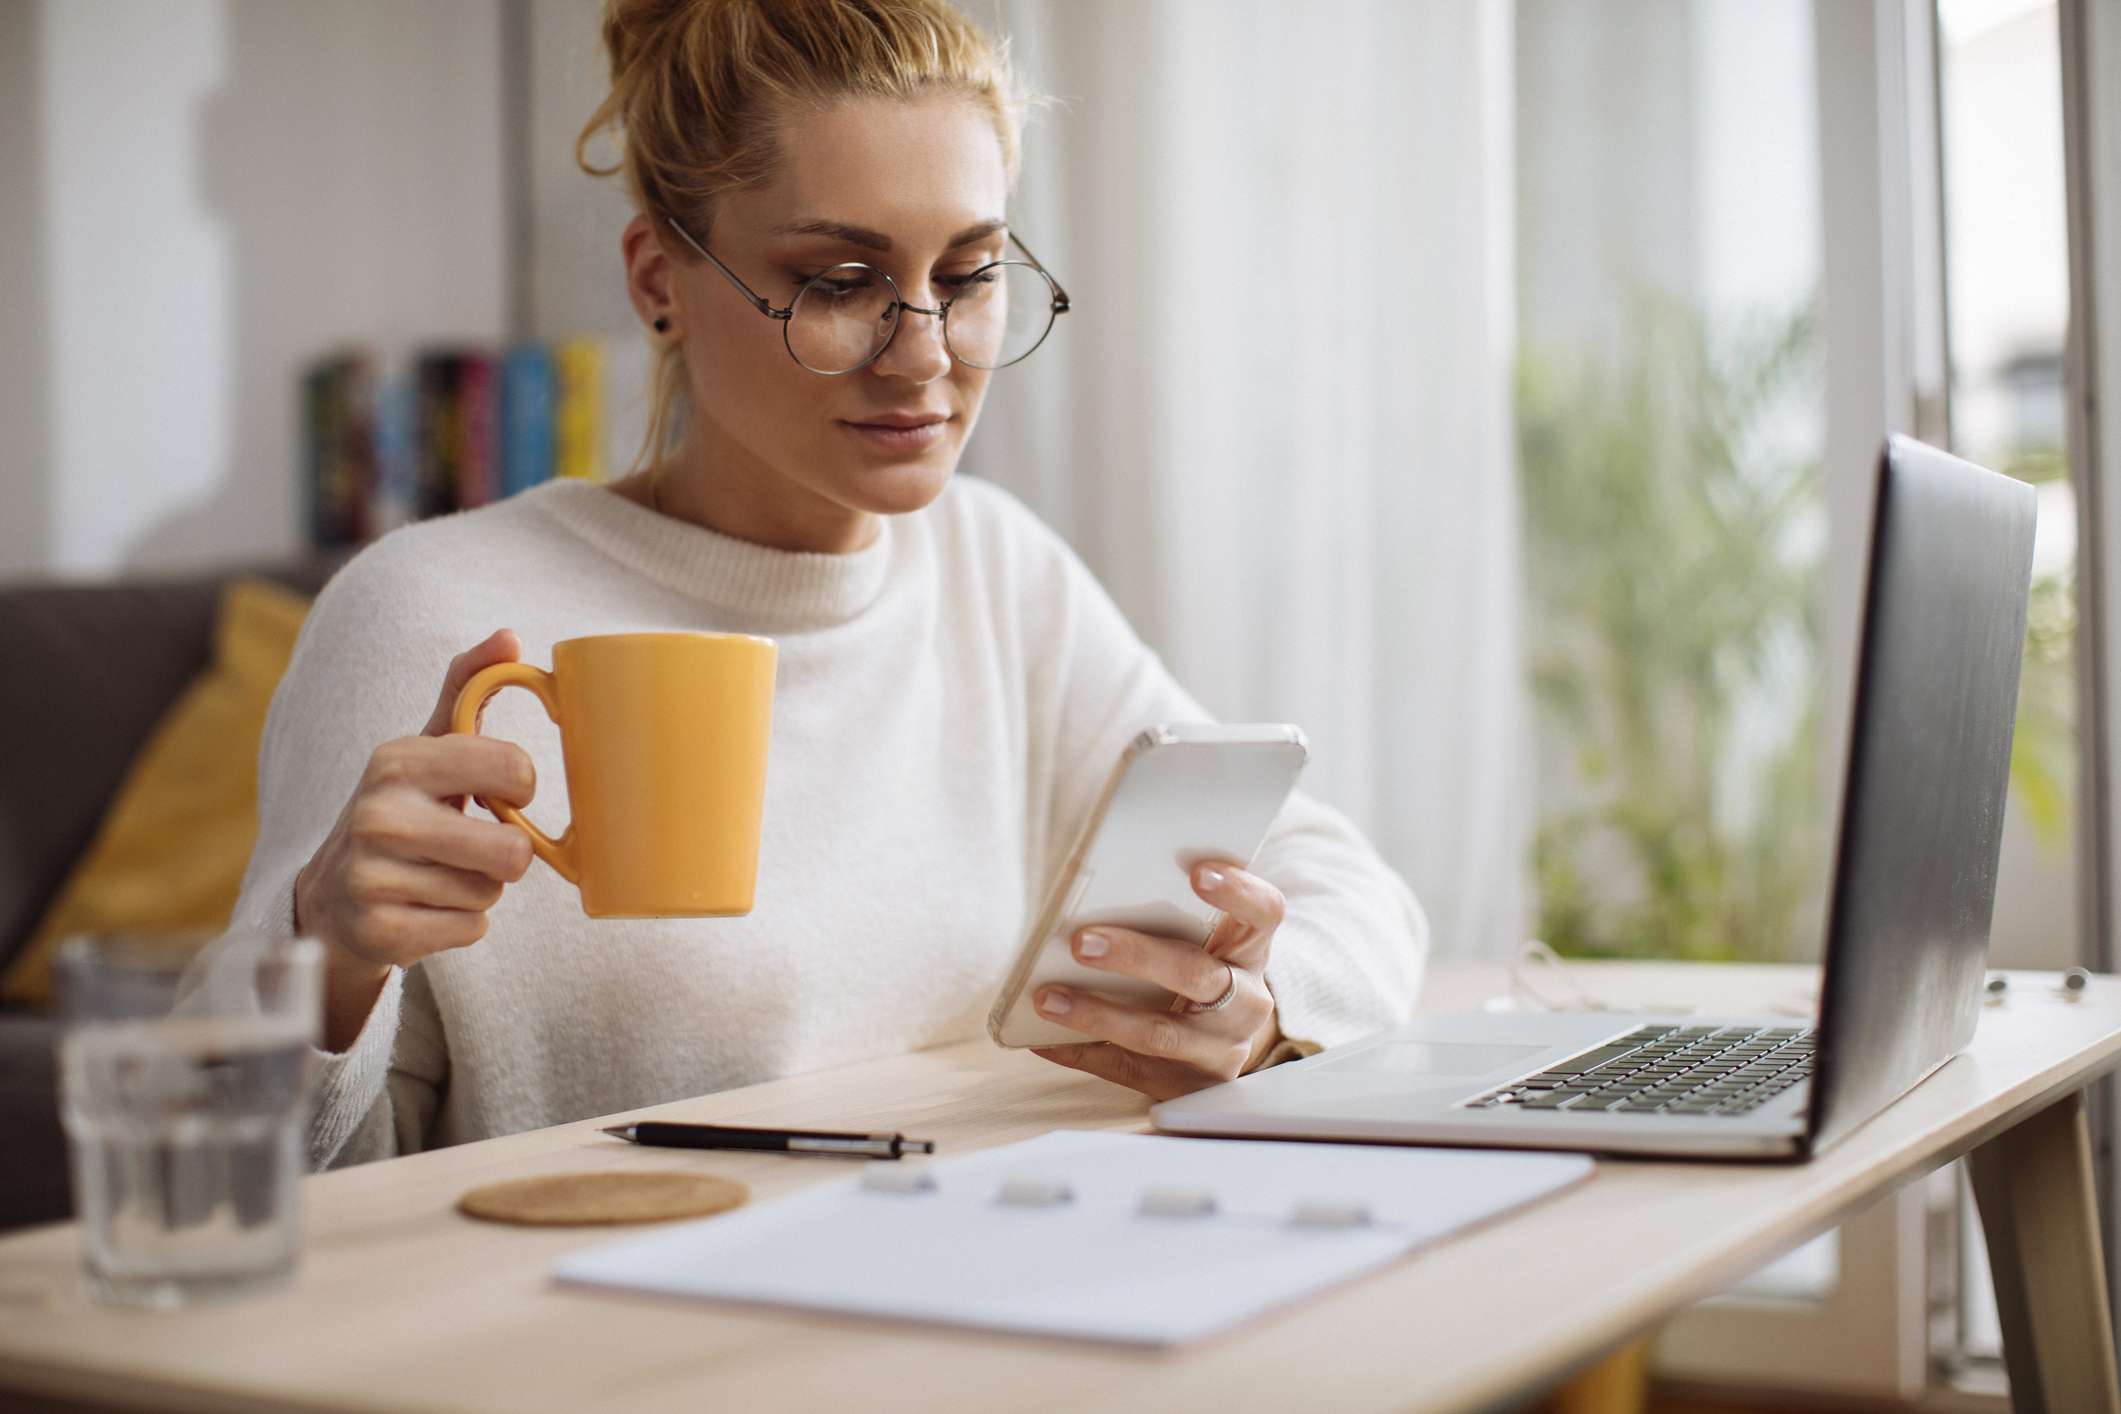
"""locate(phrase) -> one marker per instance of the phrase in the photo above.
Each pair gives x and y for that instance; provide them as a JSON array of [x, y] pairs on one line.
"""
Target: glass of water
[[185, 1092]]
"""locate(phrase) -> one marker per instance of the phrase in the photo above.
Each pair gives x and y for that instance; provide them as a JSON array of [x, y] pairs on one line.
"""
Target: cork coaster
[[569, 1199]]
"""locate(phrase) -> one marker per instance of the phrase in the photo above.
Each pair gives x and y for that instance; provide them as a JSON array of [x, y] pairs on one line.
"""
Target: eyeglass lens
[[845, 316]]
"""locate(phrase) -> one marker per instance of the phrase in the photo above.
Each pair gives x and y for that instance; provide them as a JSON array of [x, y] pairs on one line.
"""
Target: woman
[[953, 685]]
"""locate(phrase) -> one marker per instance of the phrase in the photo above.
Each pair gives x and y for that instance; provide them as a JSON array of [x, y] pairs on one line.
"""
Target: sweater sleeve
[[355, 681], [1350, 951]]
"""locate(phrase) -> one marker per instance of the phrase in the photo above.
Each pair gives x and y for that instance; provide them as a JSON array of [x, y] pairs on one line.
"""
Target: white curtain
[[1277, 423]]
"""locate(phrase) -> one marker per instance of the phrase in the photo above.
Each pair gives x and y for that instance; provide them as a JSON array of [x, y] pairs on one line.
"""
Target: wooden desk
[[401, 1302]]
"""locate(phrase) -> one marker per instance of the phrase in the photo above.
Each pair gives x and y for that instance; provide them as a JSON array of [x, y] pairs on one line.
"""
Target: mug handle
[[559, 853]]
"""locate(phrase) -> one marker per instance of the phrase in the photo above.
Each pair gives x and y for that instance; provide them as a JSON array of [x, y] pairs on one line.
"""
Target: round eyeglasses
[[843, 318]]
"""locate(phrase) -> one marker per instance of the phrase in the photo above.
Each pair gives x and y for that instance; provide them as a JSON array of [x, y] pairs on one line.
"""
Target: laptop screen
[[1936, 694]]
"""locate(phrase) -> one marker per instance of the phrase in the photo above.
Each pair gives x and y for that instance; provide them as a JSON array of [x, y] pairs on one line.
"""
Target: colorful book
[[397, 453], [339, 449], [526, 418], [316, 453], [478, 425], [456, 422], [578, 421], [450, 428], [436, 434]]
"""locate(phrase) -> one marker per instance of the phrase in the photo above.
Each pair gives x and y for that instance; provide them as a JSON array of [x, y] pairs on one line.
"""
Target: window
[[2005, 216], [1670, 419]]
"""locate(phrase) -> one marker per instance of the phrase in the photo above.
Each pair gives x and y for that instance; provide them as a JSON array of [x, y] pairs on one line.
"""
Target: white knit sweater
[[948, 701]]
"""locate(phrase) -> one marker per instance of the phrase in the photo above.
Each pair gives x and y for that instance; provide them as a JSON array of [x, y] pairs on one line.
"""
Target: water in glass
[[187, 1143]]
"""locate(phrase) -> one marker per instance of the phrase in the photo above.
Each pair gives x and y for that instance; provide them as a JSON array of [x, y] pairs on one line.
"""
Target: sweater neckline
[[755, 584]]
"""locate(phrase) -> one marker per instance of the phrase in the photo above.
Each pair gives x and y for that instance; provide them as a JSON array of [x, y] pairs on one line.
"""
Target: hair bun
[[636, 27]]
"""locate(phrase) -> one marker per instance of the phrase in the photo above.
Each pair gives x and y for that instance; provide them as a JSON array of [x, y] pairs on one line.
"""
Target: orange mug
[[664, 739]]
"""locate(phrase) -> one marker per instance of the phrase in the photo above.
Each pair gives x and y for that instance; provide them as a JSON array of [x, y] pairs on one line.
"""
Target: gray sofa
[[88, 670]]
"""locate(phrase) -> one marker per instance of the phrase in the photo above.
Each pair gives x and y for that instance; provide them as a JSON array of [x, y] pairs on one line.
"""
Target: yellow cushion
[[169, 855]]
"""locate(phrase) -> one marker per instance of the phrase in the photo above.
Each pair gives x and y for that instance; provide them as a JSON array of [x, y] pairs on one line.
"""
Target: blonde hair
[[699, 87]]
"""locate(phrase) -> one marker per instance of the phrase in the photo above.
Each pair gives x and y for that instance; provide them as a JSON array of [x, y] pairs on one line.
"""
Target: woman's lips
[[899, 437]]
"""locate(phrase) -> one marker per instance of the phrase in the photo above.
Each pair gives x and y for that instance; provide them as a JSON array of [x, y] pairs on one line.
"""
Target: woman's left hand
[[1163, 1053]]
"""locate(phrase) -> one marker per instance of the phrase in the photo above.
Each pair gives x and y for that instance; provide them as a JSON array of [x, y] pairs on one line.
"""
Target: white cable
[[1535, 955]]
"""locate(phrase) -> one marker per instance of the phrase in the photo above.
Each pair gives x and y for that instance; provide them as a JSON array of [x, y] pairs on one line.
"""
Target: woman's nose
[[917, 352]]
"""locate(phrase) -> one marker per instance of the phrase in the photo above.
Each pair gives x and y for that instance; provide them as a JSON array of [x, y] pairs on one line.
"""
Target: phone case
[[1181, 793]]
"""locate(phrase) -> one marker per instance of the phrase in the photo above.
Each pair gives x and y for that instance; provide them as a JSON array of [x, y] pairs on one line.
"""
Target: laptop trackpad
[[1433, 1058]]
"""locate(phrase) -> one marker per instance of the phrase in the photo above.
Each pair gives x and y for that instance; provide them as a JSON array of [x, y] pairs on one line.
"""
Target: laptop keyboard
[[1672, 1070]]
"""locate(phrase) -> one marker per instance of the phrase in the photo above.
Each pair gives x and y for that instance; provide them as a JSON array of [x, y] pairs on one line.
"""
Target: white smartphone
[[1181, 793]]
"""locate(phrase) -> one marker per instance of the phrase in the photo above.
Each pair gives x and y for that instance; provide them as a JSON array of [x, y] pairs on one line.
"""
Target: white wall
[[25, 374], [216, 192], [577, 276], [577, 281]]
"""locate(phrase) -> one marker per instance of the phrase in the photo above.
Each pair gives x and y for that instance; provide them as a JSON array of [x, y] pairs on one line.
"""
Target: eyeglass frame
[[941, 313]]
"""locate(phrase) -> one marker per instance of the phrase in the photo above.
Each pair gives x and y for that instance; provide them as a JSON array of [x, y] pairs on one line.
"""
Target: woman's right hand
[[405, 872]]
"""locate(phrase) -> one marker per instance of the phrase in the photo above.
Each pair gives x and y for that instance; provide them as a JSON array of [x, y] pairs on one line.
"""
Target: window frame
[[2091, 135]]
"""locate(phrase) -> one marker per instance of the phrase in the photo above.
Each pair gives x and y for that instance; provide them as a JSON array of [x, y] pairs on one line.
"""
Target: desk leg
[[2034, 1187]]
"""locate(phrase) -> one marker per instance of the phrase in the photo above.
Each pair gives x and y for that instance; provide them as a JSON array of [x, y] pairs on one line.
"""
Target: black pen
[[780, 1141]]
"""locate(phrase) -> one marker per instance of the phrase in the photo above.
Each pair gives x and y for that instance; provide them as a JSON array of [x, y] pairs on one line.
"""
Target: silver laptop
[[1936, 692]]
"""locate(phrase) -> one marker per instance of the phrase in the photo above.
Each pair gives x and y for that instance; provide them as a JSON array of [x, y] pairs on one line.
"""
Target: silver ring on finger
[[1220, 1002]]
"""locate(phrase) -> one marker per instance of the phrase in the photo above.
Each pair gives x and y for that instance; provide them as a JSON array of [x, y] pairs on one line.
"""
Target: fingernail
[[1055, 1001], [1211, 877], [1094, 945]]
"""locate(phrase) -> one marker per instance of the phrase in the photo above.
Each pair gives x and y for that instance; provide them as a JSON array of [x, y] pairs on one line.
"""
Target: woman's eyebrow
[[876, 240]]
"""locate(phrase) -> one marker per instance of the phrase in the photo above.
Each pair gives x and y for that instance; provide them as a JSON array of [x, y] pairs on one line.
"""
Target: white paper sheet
[[1094, 1266]]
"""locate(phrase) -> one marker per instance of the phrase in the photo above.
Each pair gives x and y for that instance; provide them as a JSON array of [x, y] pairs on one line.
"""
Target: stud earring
[[662, 325]]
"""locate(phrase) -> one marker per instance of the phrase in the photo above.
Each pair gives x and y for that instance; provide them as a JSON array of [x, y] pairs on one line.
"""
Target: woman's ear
[[650, 274]]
